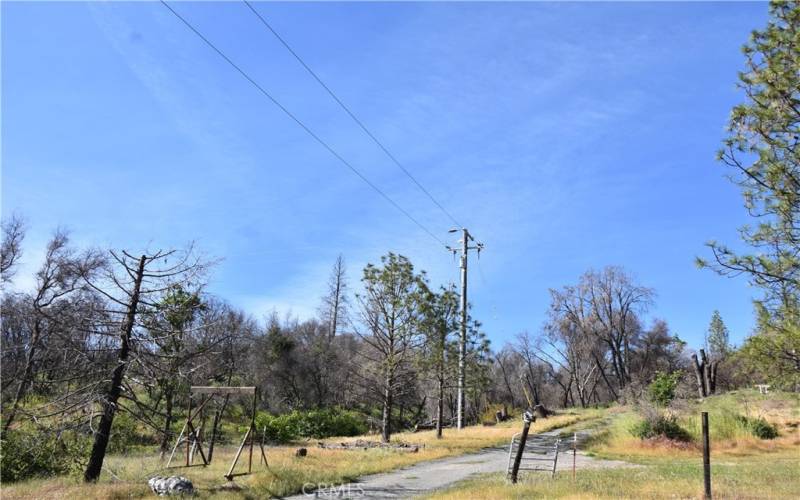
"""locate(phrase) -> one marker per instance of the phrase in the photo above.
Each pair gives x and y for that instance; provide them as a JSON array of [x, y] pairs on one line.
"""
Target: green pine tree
[[763, 151], [718, 337]]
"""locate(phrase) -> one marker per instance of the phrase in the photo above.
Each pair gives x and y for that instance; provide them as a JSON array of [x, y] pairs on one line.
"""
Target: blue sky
[[565, 136]]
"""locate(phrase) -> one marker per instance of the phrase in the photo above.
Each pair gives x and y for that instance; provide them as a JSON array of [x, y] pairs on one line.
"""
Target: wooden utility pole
[[462, 345]]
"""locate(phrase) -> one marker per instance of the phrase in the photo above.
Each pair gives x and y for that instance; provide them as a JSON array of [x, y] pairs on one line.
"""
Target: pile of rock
[[362, 444]]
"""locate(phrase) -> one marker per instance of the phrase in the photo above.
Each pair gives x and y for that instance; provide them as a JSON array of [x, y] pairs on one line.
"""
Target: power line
[[303, 125], [349, 112]]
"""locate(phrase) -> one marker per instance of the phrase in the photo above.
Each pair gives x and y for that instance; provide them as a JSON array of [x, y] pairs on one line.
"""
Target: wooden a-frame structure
[[193, 436]]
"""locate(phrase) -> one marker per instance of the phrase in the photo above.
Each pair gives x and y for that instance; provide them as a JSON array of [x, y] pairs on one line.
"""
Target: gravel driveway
[[425, 477]]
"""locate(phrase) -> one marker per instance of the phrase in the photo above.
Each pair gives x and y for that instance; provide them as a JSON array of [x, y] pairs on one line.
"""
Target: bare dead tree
[[571, 309], [59, 276], [133, 285], [565, 345], [13, 232], [506, 361], [525, 347], [606, 305], [335, 304], [616, 301]]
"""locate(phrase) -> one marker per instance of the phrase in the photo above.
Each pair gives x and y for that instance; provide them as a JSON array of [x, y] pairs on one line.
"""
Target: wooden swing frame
[[207, 394]]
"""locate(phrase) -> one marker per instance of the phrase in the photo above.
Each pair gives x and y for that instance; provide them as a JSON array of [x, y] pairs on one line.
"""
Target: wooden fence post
[[527, 418], [706, 458], [574, 450]]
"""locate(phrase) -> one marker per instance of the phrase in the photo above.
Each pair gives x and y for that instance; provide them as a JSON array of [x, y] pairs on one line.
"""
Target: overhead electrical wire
[[302, 125], [349, 112]]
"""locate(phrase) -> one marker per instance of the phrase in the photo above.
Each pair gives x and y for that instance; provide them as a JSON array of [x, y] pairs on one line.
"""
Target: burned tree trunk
[[115, 388], [713, 377], [706, 374], [699, 375]]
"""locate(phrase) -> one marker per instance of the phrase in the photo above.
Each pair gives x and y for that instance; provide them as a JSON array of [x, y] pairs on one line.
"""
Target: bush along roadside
[[316, 424]]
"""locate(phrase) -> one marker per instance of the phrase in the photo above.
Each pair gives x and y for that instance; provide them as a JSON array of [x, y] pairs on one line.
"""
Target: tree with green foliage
[[774, 356], [662, 389], [390, 310], [762, 150], [168, 325], [440, 325], [718, 337], [477, 368]]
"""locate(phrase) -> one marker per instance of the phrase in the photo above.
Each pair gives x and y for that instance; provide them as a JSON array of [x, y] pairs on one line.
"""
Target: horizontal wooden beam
[[202, 389]]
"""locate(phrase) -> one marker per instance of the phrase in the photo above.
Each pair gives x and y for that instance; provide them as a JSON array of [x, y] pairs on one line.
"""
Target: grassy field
[[772, 477], [743, 466], [126, 476]]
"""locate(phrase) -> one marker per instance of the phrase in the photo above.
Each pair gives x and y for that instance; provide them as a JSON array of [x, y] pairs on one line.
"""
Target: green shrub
[[662, 388], [276, 429], [126, 433], [660, 426], [26, 454], [759, 427], [330, 422], [315, 424]]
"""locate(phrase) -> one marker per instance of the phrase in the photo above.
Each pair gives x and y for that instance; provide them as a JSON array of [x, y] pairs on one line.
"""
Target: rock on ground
[[173, 485]]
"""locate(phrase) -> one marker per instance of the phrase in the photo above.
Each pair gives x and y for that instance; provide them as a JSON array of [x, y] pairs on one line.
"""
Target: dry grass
[[773, 476], [126, 476], [743, 466], [729, 438]]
